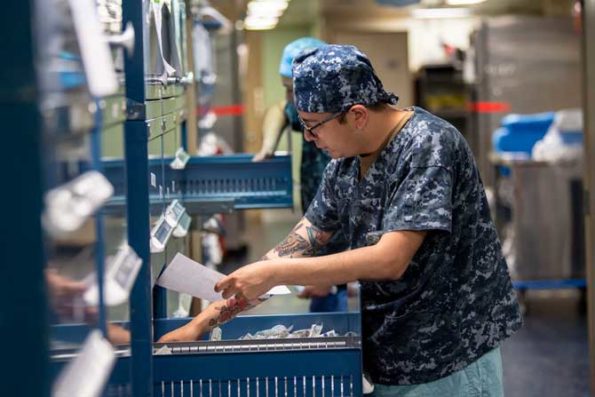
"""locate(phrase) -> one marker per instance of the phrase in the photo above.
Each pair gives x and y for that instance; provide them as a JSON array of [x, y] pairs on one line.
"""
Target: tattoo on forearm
[[231, 308], [316, 237], [295, 243], [292, 244]]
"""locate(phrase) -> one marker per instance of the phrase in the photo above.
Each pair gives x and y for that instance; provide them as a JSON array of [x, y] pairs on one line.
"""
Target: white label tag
[[87, 374], [153, 180], [97, 60], [121, 271], [156, 8], [180, 159], [70, 205], [160, 234]]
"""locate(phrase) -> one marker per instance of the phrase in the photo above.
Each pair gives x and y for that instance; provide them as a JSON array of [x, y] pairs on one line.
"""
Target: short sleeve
[[323, 212], [422, 201], [422, 198]]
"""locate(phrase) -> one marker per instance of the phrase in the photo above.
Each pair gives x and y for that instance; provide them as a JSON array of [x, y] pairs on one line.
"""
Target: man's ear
[[360, 116]]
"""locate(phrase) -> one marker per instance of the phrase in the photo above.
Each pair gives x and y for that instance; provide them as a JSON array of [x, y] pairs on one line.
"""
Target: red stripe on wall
[[228, 110], [489, 107]]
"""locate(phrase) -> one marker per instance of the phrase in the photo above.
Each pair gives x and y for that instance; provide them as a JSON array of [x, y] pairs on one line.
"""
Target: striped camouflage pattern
[[455, 302]]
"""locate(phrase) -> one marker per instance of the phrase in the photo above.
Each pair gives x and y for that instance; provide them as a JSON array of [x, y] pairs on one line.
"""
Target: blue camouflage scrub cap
[[332, 78], [294, 48]]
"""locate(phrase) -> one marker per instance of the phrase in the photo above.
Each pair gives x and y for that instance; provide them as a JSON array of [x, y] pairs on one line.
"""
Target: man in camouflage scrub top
[[403, 186], [455, 301]]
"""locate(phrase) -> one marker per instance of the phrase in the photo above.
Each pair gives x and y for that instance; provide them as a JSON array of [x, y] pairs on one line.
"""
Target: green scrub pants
[[482, 378]]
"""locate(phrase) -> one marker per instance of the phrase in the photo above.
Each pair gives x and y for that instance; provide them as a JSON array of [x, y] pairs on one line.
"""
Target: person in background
[[281, 117], [65, 294], [66, 304], [403, 186]]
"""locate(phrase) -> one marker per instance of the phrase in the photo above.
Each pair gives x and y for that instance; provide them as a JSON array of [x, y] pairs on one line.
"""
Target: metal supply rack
[[68, 110], [549, 197], [128, 144]]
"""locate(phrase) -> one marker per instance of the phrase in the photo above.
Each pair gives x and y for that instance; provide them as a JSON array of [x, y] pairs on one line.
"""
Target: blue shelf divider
[[248, 184]]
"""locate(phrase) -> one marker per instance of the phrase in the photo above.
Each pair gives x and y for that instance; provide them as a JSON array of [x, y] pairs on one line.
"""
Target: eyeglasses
[[310, 130]]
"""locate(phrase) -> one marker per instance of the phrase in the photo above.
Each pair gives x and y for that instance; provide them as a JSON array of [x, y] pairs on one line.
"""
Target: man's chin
[[332, 154]]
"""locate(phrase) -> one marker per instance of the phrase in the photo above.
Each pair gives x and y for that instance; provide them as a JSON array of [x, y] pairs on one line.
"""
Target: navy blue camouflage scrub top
[[455, 301]]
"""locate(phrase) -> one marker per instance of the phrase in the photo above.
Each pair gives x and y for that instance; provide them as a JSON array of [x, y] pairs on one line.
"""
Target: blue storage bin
[[519, 133], [330, 367], [301, 367]]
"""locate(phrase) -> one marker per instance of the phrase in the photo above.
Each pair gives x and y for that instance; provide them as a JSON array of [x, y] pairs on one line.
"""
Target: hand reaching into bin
[[217, 313]]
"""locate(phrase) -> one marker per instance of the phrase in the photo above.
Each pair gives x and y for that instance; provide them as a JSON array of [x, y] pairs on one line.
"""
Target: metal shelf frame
[[22, 247]]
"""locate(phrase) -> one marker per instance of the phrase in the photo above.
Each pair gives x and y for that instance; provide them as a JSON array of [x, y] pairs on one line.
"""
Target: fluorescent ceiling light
[[270, 1], [265, 7], [251, 23], [261, 20], [441, 12], [264, 12], [259, 27], [276, 4], [268, 14], [463, 2]]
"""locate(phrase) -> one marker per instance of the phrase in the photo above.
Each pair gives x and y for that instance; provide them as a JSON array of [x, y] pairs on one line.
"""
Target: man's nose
[[308, 136]]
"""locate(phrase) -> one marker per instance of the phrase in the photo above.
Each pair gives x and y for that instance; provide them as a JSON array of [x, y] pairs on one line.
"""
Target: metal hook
[[125, 39]]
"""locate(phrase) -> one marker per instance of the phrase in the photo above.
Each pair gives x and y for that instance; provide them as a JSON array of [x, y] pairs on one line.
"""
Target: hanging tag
[[160, 235], [174, 213], [156, 8], [120, 274], [97, 60], [183, 226], [67, 207], [180, 159], [87, 374]]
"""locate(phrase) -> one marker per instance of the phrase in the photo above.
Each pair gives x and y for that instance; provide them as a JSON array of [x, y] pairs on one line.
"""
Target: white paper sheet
[[188, 276]]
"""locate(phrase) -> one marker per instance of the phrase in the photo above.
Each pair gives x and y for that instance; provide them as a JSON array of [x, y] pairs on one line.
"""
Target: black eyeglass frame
[[310, 130]]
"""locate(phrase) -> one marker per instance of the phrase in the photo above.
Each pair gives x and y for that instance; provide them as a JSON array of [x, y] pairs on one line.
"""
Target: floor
[[547, 357]]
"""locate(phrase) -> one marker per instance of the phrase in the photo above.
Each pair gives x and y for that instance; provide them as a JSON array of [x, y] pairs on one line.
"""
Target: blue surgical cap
[[333, 78], [294, 48]]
